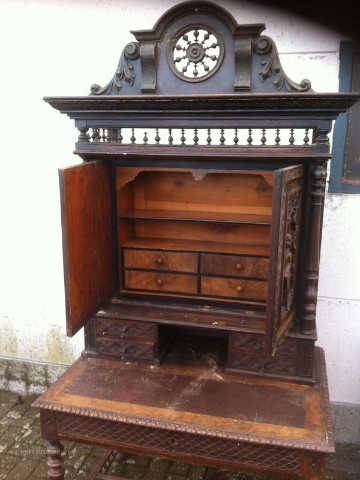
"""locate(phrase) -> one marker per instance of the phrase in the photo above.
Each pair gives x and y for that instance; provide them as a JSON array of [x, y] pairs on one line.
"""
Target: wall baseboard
[[28, 377]]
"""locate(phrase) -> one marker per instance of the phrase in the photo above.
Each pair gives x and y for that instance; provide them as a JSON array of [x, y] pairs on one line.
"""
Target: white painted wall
[[60, 48]]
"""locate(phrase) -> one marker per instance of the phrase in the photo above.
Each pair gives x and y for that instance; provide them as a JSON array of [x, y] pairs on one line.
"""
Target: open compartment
[[223, 237], [200, 233]]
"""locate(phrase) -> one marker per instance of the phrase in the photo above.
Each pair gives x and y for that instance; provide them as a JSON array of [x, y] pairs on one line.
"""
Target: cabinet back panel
[[238, 234], [216, 192]]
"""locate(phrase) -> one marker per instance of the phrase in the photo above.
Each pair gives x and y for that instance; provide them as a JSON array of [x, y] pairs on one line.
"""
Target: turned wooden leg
[[313, 465], [54, 460]]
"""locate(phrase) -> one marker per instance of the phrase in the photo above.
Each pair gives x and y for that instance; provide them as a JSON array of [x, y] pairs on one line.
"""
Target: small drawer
[[234, 265], [125, 349], [124, 329], [160, 282], [234, 287], [160, 260]]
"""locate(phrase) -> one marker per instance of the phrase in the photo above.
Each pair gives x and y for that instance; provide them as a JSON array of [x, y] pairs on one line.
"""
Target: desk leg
[[54, 460], [313, 465]]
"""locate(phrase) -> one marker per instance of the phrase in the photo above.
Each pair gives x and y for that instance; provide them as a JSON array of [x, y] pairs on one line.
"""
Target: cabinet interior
[[207, 231]]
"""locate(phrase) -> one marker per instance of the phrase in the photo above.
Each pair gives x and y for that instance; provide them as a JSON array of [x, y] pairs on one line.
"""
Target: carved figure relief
[[291, 246]]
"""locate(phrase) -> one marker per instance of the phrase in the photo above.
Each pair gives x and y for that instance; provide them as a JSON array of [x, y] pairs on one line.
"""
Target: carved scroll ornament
[[271, 66], [124, 71]]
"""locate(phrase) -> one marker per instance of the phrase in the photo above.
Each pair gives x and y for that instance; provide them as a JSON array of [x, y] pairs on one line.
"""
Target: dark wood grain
[[86, 222], [160, 260], [239, 266], [233, 287], [160, 281]]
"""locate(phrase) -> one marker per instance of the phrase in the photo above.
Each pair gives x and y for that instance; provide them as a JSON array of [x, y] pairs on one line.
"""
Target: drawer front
[[160, 260], [161, 282], [124, 329], [234, 265], [234, 288], [125, 349]]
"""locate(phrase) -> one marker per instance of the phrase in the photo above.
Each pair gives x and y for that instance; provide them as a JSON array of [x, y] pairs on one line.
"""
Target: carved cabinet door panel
[[285, 244], [87, 240]]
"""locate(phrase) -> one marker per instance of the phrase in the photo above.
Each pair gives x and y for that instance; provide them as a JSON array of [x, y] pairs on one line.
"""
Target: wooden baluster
[[183, 138], [196, 138], [236, 137], [157, 137], [291, 139], [83, 137], [104, 135], [222, 138], [54, 461], [145, 139], [277, 138], [209, 139], [263, 138], [120, 137], [306, 138], [250, 139], [132, 138], [170, 139], [112, 135]]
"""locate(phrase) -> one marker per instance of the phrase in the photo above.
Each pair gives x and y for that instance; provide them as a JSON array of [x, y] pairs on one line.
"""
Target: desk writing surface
[[200, 399]]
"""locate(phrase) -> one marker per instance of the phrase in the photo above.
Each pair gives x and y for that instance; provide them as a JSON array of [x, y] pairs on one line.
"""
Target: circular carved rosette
[[196, 53]]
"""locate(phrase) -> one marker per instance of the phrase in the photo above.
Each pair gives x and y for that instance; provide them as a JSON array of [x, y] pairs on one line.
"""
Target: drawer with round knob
[[234, 288], [234, 265], [160, 282], [160, 260]]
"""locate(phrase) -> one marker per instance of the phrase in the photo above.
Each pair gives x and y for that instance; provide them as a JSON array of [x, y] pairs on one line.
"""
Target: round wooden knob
[[159, 282], [159, 261], [239, 289], [239, 266]]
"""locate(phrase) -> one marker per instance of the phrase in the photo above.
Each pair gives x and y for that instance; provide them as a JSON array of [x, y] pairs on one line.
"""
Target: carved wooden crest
[[200, 46]]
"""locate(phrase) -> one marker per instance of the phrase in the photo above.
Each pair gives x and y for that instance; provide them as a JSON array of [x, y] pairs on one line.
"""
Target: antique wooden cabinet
[[191, 253]]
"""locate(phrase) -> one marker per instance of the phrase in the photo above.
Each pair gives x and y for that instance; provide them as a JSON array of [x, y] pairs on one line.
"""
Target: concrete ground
[[23, 454]]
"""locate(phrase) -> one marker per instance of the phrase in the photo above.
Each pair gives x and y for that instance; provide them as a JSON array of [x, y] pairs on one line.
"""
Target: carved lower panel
[[125, 328], [282, 366], [295, 357], [155, 440], [124, 349]]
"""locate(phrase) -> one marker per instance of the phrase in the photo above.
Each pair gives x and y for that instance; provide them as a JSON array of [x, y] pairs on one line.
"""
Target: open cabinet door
[[285, 243], [87, 240]]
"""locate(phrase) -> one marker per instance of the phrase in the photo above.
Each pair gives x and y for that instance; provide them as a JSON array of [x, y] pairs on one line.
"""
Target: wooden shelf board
[[192, 216], [181, 314], [198, 246]]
